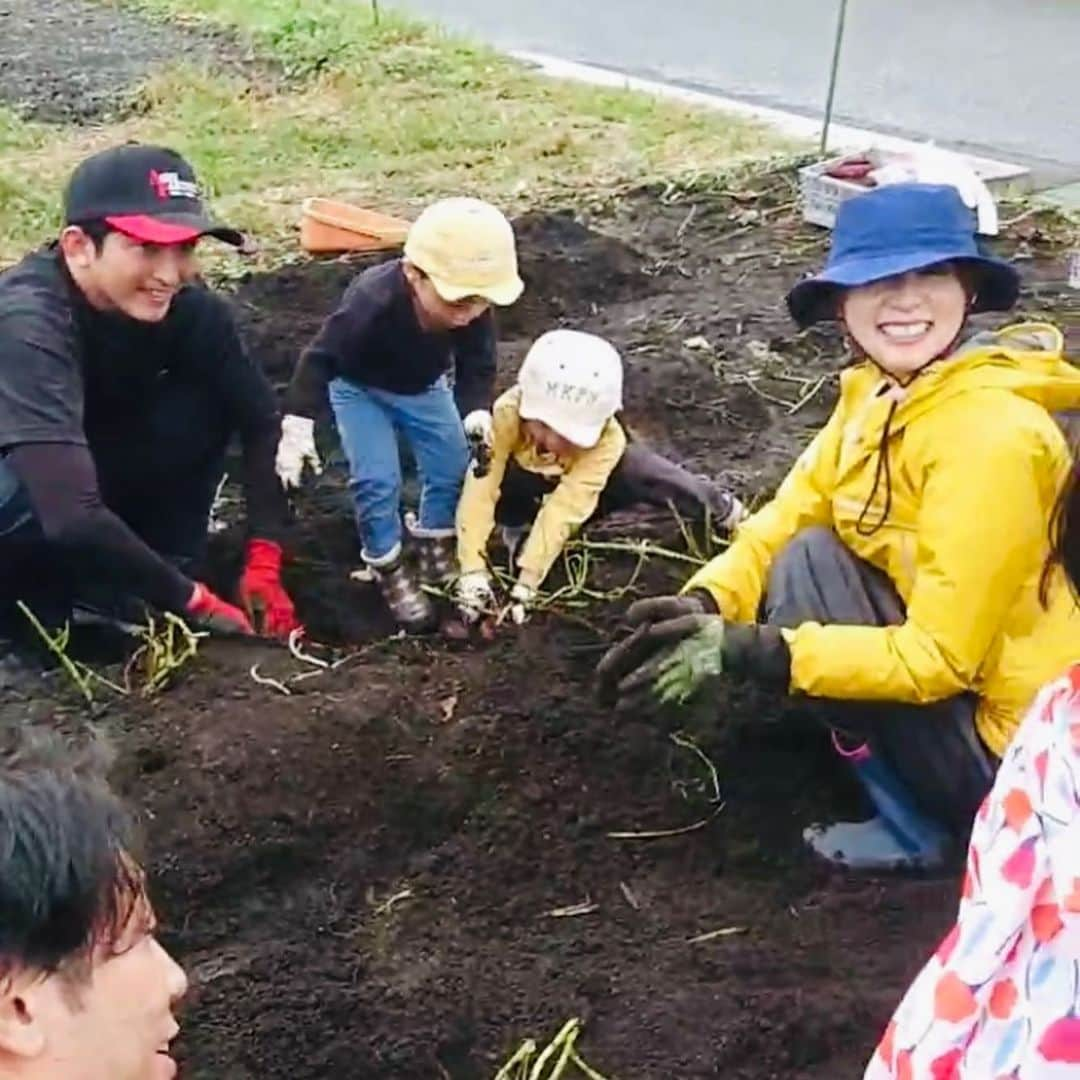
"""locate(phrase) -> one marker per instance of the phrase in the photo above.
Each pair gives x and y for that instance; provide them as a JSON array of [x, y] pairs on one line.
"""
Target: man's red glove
[[262, 594], [210, 612]]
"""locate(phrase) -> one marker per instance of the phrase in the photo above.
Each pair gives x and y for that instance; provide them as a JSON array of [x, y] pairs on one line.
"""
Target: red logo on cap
[[157, 182], [169, 185]]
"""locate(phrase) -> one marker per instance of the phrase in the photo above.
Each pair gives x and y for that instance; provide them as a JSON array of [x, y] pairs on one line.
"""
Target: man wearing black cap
[[122, 380]]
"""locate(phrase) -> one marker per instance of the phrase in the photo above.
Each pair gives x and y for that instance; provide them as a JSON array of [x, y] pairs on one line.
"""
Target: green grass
[[27, 207], [391, 115]]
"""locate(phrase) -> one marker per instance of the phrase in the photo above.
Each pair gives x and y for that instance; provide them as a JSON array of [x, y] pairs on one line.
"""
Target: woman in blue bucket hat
[[897, 574]]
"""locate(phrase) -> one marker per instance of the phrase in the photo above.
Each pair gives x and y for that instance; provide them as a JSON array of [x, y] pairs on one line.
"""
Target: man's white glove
[[932, 165], [521, 596], [478, 425], [296, 449], [474, 595]]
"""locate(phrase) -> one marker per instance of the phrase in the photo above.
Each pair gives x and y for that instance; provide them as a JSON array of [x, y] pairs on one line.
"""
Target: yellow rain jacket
[[975, 465], [581, 479]]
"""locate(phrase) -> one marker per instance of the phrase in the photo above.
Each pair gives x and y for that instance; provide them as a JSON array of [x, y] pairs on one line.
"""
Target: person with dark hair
[[894, 576], [1000, 995], [86, 990], [122, 381]]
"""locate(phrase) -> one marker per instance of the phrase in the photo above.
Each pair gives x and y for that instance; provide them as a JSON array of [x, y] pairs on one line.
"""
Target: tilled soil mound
[[404, 867]]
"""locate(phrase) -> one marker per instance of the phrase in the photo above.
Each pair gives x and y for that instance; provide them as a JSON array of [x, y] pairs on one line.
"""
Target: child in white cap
[[556, 440]]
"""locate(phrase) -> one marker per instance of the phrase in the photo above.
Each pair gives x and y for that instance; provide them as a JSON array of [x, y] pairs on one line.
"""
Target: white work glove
[[738, 514], [521, 596], [295, 450], [474, 595], [932, 165], [478, 425]]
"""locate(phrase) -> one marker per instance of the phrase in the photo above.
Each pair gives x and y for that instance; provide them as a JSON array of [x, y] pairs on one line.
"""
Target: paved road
[[1000, 75]]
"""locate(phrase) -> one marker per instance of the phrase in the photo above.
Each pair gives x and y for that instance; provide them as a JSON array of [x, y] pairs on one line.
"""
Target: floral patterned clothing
[[1000, 999]]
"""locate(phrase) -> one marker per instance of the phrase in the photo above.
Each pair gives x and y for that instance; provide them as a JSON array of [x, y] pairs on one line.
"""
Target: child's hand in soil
[[517, 611], [474, 596]]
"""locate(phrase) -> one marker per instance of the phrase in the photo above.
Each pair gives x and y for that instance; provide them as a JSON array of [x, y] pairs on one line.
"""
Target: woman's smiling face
[[904, 322]]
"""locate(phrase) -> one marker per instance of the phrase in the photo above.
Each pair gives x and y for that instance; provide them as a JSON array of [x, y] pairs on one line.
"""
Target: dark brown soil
[[360, 876], [82, 60]]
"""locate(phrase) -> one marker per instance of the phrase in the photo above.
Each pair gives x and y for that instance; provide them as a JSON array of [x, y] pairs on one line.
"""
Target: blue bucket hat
[[896, 229]]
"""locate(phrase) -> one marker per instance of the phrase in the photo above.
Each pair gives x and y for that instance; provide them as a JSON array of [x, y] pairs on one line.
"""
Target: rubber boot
[[408, 603], [436, 551], [899, 837]]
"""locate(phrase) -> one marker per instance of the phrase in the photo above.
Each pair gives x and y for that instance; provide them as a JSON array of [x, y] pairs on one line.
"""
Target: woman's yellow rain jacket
[[975, 465]]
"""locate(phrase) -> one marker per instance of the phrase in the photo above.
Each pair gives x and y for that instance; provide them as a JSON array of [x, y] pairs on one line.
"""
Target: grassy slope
[[391, 114]]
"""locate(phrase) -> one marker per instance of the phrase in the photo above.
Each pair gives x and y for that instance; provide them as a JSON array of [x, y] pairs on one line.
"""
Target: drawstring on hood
[[882, 469], [898, 391]]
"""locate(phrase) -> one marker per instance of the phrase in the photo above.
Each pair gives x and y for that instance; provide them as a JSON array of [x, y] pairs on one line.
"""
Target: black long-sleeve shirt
[[375, 339], [61, 482], [74, 388]]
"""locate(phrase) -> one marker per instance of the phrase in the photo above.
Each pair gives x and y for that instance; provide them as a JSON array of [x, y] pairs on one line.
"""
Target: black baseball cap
[[146, 192]]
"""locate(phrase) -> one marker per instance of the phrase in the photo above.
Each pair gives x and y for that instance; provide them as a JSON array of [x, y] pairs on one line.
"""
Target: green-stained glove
[[692, 665], [655, 626], [678, 649], [675, 674]]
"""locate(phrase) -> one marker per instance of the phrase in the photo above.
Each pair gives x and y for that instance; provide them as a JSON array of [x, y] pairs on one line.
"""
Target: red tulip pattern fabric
[[1000, 998]]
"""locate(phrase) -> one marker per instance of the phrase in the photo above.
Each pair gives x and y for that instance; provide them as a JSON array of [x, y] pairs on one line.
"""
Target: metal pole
[[375, 11], [832, 75]]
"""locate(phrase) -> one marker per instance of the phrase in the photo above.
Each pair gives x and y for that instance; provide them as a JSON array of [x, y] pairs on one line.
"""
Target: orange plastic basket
[[327, 225]]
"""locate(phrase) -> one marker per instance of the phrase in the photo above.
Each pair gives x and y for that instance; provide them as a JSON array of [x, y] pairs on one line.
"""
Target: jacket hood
[[1026, 359]]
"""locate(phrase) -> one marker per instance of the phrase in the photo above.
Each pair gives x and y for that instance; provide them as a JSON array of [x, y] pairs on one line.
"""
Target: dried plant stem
[[164, 651]]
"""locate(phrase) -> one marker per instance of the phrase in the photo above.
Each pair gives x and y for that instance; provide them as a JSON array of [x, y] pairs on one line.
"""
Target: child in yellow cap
[[384, 358], [556, 440]]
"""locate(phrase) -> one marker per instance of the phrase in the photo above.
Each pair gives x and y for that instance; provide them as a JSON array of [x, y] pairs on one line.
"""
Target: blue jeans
[[367, 421], [16, 516]]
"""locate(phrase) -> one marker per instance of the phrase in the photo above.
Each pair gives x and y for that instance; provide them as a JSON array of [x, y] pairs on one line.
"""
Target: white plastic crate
[[822, 194]]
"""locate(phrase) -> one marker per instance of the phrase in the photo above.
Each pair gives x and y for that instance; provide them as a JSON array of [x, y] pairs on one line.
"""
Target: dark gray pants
[[934, 749], [641, 476]]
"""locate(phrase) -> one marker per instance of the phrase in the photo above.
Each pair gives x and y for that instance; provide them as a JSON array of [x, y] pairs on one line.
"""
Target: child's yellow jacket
[[581, 479], [976, 462]]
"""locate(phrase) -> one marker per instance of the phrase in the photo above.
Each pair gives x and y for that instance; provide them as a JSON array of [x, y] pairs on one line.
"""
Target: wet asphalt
[[995, 75]]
